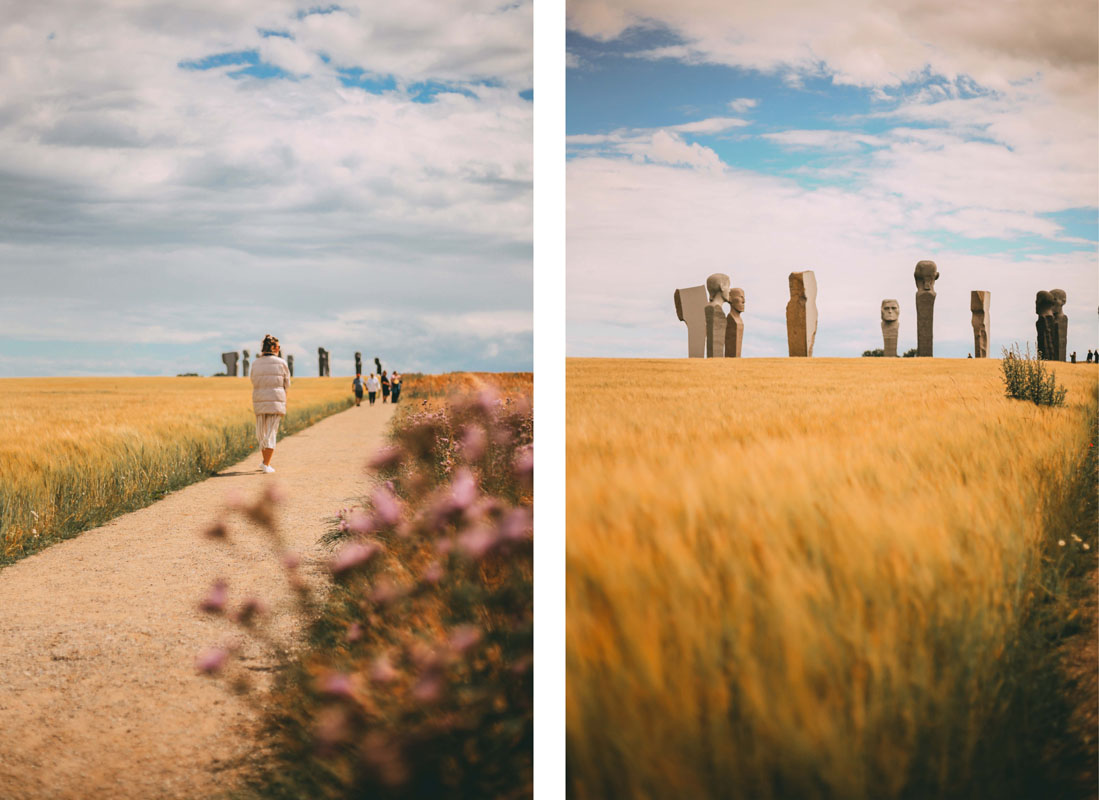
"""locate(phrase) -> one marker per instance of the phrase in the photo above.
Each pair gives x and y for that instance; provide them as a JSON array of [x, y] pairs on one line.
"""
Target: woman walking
[[270, 380], [395, 387], [372, 387], [385, 387]]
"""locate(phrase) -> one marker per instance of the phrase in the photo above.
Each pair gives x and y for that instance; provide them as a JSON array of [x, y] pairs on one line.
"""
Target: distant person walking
[[372, 387], [270, 380], [1089, 356], [385, 387], [1073, 359], [357, 386], [395, 387]]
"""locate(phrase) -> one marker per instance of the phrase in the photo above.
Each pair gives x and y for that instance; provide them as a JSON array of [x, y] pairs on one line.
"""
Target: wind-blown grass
[[822, 579], [75, 452]]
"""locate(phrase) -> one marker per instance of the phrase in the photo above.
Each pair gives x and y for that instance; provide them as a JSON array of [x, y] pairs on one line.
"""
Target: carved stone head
[[736, 300], [1044, 303], [717, 285], [926, 274], [890, 311], [1059, 300]]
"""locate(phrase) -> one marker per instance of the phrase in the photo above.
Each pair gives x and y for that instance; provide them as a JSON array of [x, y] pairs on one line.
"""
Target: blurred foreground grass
[[75, 452], [794, 578]]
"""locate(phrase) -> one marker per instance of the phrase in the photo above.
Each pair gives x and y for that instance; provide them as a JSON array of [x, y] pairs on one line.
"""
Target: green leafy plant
[[1025, 378], [878, 353]]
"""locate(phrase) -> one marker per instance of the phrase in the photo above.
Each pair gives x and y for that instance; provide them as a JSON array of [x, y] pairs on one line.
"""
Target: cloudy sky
[[853, 139], [179, 179]]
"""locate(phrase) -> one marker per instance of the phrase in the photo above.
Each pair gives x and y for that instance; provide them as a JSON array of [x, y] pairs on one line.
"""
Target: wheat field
[[806, 578], [75, 452]]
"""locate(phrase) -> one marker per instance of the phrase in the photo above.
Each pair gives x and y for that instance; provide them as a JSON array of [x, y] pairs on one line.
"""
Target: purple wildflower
[[387, 509], [476, 542], [433, 573], [337, 684], [516, 525], [381, 671], [211, 660], [473, 442], [464, 637], [354, 632], [214, 602], [386, 457], [359, 522], [463, 489], [351, 556]]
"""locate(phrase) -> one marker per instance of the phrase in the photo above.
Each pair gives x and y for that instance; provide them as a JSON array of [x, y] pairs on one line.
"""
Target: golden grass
[[801, 578], [77, 451]]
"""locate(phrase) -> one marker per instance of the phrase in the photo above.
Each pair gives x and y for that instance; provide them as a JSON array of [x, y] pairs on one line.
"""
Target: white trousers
[[267, 425]]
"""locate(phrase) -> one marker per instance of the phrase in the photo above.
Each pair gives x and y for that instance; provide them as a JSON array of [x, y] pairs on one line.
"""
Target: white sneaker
[[268, 468]]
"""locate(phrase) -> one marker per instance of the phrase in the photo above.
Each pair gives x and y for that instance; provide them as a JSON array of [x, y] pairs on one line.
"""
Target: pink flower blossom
[[337, 684], [351, 556], [354, 632], [291, 560], [214, 602], [386, 457], [476, 542], [211, 660], [381, 671], [464, 637], [433, 573], [387, 509], [473, 442], [463, 489], [360, 522], [516, 525]]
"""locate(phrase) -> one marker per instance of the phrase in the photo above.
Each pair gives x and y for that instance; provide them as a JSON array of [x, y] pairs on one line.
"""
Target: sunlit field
[[823, 578], [75, 452]]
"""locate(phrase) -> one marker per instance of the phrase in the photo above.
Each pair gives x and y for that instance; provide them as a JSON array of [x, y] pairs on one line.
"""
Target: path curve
[[98, 635]]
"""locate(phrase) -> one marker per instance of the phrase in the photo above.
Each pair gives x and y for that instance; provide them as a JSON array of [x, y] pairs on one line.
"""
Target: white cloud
[[711, 125], [115, 161], [742, 104], [824, 139], [637, 232]]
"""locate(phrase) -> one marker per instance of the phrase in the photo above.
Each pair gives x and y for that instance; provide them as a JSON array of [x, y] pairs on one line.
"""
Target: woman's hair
[[270, 343]]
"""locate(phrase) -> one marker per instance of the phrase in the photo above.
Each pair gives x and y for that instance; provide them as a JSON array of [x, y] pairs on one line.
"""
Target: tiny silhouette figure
[[1073, 357]]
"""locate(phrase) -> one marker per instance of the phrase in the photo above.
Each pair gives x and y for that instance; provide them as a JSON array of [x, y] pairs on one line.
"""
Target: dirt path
[[98, 635]]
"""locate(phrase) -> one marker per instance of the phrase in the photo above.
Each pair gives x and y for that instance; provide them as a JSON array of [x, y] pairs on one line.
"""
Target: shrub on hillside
[[877, 353], [416, 680], [1025, 378]]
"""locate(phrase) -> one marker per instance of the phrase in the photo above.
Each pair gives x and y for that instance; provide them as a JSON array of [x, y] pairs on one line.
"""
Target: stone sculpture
[[717, 289], [322, 362], [890, 326], [926, 274], [1048, 335], [690, 307], [378, 364], [1059, 300], [290, 363], [801, 313], [734, 325], [358, 363], [230, 362], [979, 304], [244, 369]]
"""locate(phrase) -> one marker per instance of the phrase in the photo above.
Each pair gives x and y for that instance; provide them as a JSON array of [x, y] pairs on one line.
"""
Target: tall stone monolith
[[734, 325], [1046, 326], [358, 363], [717, 288], [290, 363], [244, 366], [979, 304], [230, 362], [801, 313], [690, 308], [378, 364], [1059, 300], [890, 326], [926, 274], [322, 363]]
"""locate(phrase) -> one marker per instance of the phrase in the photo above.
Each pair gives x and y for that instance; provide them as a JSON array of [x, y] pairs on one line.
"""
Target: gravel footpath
[[99, 696]]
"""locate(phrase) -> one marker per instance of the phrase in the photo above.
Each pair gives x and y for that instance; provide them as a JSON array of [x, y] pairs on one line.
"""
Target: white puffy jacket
[[270, 380]]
